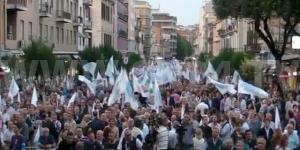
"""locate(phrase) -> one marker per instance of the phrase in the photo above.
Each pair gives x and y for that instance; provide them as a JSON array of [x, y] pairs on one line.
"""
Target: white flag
[[236, 77], [19, 98], [211, 72], [122, 86], [72, 100], [277, 119], [246, 88], [34, 98], [13, 89], [90, 67], [182, 111], [157, 97], [37, 135], [89, 84], [99, 76], [111, 71], [222, 88]]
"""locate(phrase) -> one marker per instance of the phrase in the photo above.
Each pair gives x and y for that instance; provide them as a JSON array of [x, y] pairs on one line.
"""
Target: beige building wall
[[22, 25], [2, 24], [103, 24]]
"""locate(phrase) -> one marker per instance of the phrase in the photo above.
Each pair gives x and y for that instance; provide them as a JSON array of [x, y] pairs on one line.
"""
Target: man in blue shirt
[[293, 141], [46, 141]]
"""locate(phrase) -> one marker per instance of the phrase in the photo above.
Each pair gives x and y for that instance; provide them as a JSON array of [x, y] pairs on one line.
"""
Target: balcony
[[123, 17], [17, 5], [63, 16], [45, 10], [77, 21], [87, 25], [123, 34], [88, 2]]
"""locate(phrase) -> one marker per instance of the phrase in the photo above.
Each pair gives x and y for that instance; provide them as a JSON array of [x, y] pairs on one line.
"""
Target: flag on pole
[[13, 89], [72, 100], [236, 77], [246, 88], [277, 119], [90, 67], [89, 84], [122, 86], [19, 98], [34, 98], [157, 97], [111, 71], [222, 88], [211, 72], [37, 135]]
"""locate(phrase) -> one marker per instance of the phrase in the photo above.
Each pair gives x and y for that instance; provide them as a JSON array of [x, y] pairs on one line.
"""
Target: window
[[30, 31], [62, 36], [46, 32], [107, 39], [51, 33], [57, 35], [75, 37], [71, 8], [22, 29], [103, 11], [68, 5], [41, 30], [71, 37], [67, 41]]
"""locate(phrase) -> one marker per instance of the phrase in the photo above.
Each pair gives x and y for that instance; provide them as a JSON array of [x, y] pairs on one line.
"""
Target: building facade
[[132, 22], [122, 26], [144, 18], [2, 24], [189, 33], [64, 25], [103, 19], [168, 36]]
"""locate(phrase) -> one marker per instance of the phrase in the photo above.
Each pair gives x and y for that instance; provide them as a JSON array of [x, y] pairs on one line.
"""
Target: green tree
[[229, 55], [247, 71], [262, 12], [133, 59], [184, 48], [38, 50], [102, 53]]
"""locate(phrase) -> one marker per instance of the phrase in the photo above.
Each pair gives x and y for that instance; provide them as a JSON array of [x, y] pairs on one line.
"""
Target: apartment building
[[64, 25], [144, 18], [167, 25], [206, 25], [103, 18], [2, 24], [132, 23], [122, 26], [189, 33]]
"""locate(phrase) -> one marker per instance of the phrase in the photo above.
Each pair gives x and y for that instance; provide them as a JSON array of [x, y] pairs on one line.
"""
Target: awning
[[288, 57]]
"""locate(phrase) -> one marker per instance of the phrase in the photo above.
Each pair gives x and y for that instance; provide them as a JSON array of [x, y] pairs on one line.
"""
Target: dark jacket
[[64, 145], [131, 144], [89, 145], [262, 132], [214, 146], [207, 131]]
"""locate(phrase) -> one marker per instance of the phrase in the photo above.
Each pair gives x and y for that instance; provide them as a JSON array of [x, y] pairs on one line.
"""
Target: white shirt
[[212, 125], [145, 130], [199, 144], [162, 138], [243, 105]]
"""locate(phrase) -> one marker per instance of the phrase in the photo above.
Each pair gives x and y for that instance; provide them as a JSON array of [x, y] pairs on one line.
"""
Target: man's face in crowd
[[290, 128], [130, 123], [214, 118], [249, 135], [79, 132], [261, 143], [240, 145], [99, 135], [215, 132], [173, 118], [46, 132]]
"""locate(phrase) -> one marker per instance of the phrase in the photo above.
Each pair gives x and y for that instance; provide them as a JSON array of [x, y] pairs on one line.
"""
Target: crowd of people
[[194, 116]]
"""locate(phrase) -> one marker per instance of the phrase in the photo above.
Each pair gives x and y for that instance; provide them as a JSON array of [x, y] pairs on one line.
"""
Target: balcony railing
[[123, 17], [88, 2], [123, 34], [87, 24], [18, 5], [45, 10], [63, 16]]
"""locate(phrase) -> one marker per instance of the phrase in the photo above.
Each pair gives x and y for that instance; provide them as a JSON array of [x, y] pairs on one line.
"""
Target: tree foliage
[[102, 53], [261, 12], [38, 50], [184, 48], [133, 59], [234, 58]]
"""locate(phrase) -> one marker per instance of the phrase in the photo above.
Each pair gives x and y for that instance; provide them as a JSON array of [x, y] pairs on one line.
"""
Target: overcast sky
[[186, 11]]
